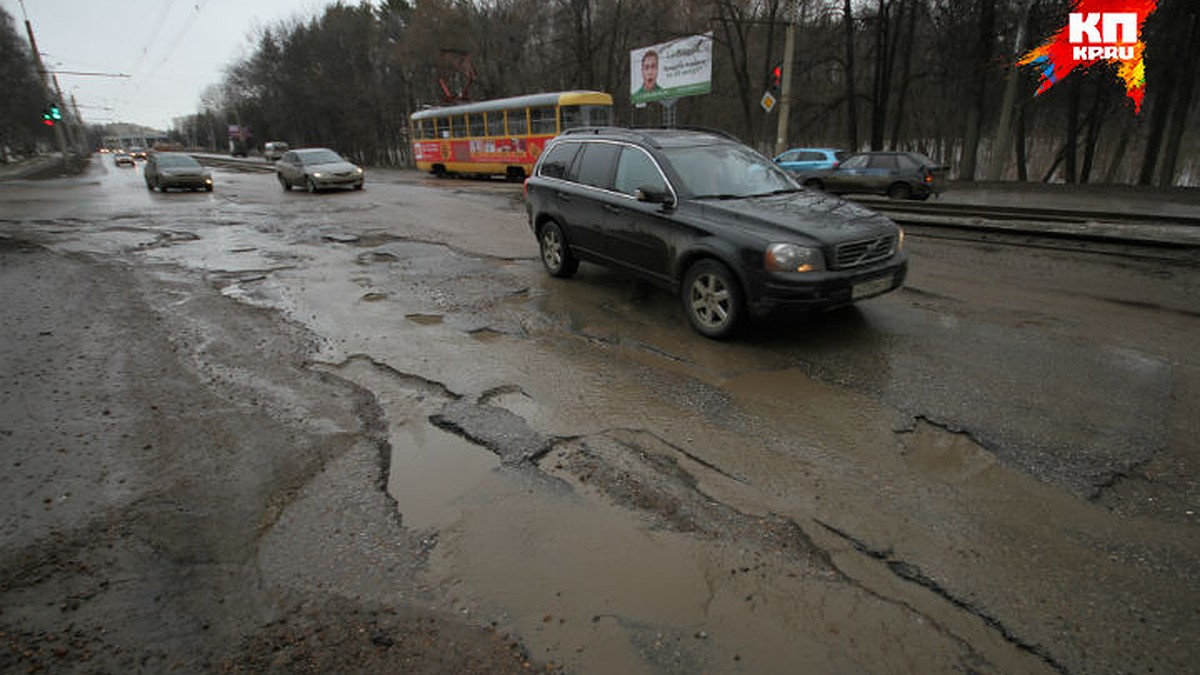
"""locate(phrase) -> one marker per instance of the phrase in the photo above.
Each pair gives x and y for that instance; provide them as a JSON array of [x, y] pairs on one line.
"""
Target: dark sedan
[[166, 170]]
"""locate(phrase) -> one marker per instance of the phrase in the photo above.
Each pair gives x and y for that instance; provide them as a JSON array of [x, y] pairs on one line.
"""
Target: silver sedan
[[317, 169]]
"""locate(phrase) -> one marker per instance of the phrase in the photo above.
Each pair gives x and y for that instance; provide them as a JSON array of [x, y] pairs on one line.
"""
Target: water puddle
[[425, 319], [430, 470]]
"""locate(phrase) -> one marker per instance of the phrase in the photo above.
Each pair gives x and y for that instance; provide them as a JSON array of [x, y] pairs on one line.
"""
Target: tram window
[[458, 126], [571, 117], [585, 116], [517, 123], [477, 126], [542, 121], [495, 123], [443, 127]]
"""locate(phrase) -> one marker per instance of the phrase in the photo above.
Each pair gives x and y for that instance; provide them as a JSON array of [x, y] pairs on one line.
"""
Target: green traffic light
[[55, 113]]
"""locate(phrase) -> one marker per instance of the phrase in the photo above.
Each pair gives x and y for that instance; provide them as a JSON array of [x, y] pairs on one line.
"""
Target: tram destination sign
[[671, 70]]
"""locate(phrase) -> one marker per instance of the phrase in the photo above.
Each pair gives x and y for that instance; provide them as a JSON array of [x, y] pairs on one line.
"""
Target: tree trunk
[[1183, 104], [906, 70], [881, 87], [1071, 149], [1022, 160], [851, 98], [978, 89]]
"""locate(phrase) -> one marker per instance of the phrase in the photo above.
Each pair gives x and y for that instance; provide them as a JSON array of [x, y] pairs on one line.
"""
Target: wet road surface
[[993, 470]]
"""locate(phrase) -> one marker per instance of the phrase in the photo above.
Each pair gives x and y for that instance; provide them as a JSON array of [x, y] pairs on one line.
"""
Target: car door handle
[[562, 196], [612, 209]]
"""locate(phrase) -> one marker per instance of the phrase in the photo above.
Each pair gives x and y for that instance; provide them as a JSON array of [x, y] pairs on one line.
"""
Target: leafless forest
[[927, 75]]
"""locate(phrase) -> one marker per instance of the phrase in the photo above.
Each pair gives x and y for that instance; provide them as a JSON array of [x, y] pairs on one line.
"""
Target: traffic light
[[51, 115], [777, 77]]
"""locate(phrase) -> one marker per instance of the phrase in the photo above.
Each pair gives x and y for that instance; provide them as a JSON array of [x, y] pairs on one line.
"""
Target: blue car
[[809, 165]]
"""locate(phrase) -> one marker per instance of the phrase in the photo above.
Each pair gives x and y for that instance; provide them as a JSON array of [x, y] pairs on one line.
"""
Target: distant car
[[317, 169], [123, 159], [899, 175], [702, 214], [273, 150], [809, 165], [137, 152], [165, 170]]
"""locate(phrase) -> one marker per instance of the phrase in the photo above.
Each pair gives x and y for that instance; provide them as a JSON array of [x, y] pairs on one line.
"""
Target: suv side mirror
[[654, 196]]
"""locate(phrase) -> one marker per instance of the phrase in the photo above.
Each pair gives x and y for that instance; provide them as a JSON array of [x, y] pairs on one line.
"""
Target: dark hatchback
[[701, 213]]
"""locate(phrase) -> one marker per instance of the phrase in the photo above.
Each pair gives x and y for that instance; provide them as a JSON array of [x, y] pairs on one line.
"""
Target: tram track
[[1173, 238]]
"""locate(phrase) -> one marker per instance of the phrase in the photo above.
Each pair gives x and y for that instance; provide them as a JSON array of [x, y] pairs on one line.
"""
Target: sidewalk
[[53, 165]]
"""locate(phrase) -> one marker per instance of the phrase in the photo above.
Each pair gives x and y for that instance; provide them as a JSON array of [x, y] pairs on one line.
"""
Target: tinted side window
[[557, 162], [857, 162], [883, 162], [908, 162], [635, 170], [596, 164], [811, 156]]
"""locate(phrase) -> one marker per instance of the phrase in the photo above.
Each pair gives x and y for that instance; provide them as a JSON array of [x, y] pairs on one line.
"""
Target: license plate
[[869, 288]]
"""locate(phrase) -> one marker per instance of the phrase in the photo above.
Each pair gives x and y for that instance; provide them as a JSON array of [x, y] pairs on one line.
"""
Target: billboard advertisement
[[672, 69]]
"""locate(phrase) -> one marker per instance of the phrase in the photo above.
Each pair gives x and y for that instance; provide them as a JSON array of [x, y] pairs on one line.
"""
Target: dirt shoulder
[[184, 494]]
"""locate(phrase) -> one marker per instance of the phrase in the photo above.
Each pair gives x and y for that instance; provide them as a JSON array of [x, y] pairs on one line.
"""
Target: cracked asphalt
[[251, 431]]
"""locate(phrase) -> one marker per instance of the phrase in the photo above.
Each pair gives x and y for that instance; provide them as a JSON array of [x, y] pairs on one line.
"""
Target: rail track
[[1162, 237]]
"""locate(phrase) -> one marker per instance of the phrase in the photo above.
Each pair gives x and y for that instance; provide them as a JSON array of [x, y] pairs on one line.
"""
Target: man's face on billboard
[[649, 70]]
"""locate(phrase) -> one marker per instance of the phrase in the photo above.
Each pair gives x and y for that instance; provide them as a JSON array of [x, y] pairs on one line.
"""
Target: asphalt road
[[261, 431]]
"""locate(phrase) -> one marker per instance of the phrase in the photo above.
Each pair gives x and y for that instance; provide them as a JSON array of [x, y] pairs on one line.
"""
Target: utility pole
[[785, 89], [47, 93]]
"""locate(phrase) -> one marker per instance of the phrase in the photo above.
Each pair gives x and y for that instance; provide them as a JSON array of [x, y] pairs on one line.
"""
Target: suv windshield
[[727, 171]]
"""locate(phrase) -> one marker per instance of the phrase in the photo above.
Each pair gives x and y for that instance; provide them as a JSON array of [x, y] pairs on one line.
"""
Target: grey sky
[[171, 49]]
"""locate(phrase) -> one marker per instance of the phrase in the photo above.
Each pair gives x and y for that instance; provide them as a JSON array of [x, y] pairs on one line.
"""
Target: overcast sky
[[170, 49]]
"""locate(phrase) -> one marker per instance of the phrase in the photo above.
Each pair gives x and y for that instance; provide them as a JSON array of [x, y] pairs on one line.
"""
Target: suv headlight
[[793, 258]]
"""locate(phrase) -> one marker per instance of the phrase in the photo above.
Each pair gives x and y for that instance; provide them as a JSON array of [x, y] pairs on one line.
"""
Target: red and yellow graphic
[[1097, 31]]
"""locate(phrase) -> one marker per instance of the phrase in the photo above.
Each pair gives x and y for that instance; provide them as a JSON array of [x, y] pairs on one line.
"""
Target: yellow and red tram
[[502, 136]]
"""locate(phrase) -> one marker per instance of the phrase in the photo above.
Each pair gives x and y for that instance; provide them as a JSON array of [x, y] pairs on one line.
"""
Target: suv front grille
[[864, 251]]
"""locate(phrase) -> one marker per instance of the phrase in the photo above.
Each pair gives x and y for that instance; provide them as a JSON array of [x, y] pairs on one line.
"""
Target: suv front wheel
[[712, 299], [556, 257]]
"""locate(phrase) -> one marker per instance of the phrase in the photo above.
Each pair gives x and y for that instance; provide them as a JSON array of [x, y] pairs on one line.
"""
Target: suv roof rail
[[640, 132]]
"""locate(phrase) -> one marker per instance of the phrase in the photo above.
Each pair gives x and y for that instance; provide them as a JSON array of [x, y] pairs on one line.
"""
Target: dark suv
[[700, 213]]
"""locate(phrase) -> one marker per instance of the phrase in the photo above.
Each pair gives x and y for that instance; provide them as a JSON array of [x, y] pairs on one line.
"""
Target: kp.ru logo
[[1116, 41], [1097, 31]]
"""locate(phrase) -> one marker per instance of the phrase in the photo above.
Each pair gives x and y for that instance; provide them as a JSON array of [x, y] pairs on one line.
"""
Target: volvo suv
[[704, 215]]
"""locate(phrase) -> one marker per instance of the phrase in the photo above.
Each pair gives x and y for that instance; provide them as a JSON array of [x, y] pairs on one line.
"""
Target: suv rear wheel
[[712, 299], [556, 257]]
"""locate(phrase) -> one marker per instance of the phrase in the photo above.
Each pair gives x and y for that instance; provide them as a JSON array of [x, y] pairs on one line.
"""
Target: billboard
[[672, 69]]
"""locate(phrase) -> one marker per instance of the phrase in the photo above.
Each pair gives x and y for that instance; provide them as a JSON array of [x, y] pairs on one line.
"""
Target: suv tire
[[556, 256], [712, 299]]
